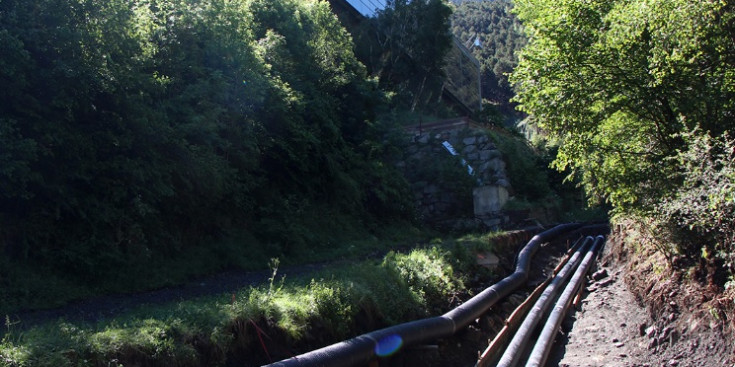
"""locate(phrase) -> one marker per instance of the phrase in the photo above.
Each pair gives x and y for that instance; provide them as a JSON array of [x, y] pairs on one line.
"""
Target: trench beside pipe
[[360, 350]]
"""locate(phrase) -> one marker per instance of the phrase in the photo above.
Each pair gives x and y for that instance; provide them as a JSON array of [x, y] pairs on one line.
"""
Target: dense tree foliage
[[404, 46], [132, 131], [632, 91], [495, 36]]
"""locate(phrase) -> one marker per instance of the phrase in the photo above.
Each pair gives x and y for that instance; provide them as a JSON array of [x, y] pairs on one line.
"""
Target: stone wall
[[444, 192]]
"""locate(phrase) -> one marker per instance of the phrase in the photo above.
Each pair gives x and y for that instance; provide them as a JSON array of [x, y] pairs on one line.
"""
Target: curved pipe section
[[360, 350], [541, 350]]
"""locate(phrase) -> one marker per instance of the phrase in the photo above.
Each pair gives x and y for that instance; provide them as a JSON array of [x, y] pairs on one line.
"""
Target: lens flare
[[388, 345]]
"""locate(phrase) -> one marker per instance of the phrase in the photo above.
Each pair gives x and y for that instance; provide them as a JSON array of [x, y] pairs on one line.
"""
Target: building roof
[[367, 7]]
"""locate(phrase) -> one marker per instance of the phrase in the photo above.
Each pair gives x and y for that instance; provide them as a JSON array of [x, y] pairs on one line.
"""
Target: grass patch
[[259, 324]]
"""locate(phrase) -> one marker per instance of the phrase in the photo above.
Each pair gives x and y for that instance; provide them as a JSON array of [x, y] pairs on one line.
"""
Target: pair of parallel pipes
[[579, 263], [359, 351]]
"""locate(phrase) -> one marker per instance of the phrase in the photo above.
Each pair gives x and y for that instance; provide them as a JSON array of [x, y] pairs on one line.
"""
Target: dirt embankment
[[638, 311]]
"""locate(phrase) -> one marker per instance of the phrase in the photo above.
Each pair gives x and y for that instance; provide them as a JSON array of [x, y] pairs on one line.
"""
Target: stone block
[[488, 260], [490, 154], [468, 149], [486, 167], [497, 165], [469, 141], [489, 199]]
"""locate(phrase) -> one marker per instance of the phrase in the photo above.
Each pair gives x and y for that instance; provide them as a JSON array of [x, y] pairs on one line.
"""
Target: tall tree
[[640, 95], [618, 82], [133, 131], [405, 46]]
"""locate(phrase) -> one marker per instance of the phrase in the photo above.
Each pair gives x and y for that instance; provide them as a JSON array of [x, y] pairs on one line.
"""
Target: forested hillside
[[141, 141], [494, 34], [640, 97]]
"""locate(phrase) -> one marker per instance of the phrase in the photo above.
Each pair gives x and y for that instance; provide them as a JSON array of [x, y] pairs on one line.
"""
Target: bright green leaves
[[616, 160], [332, 46], [640, 96], [617, 82]]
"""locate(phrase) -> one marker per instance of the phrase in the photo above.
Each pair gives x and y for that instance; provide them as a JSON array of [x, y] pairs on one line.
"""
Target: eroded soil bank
[[637, 311]]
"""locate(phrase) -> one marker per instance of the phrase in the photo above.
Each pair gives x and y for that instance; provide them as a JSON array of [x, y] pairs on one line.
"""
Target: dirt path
[[611, 328], [606, 331], [104, 307], [108, 306]]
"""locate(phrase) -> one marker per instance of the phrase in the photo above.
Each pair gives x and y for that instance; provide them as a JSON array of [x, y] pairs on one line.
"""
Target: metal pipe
[[514, 351], [541, 350], [511, 324], [514, 320], [360, 350]]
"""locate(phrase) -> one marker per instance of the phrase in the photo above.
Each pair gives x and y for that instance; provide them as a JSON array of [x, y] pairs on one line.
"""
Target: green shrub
[[526, 171], [710, 167], [700, 217], [426, 272]]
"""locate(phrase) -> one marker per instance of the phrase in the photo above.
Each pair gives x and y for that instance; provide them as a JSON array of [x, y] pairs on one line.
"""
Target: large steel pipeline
[[541, 350], [360, 350], [514, 352]]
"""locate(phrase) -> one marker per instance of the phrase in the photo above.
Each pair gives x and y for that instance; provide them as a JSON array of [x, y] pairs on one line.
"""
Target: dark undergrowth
[[27, 287]]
